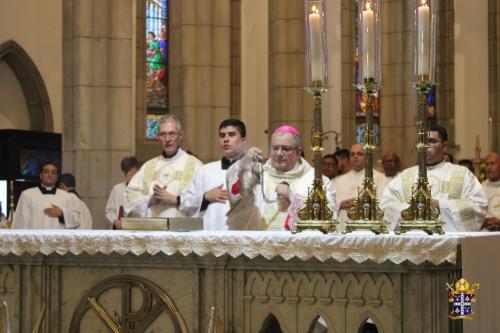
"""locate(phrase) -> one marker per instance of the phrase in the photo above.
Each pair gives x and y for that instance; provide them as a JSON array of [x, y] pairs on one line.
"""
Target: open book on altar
[[162, 224]]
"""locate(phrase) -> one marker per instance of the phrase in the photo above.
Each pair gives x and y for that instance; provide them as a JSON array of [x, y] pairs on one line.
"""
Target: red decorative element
[[235, 189]]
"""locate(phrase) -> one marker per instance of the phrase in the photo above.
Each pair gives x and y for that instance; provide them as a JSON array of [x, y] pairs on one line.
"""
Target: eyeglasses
[[166, 135], [284, 149]]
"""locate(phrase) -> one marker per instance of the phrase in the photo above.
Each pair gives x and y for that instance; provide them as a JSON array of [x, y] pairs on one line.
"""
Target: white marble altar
[[168, 281]]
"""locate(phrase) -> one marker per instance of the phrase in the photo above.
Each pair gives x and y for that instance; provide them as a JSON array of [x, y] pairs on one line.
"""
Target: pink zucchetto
[[287, 129]]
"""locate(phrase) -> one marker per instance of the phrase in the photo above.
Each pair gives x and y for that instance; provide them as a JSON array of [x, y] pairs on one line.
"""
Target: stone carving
[[133, 318], [318, 294]]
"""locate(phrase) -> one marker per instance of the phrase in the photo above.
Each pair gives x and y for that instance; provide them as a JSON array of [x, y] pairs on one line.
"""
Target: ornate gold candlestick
[[316, 214], [366, 213], [422, 214]]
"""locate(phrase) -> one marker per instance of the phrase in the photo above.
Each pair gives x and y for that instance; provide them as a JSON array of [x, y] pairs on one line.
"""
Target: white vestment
[[461, 198], [348, 185], [85, 217], [206, 178], [492, 190], [174, 173], [32, 202], [115, 201], [264, 193]]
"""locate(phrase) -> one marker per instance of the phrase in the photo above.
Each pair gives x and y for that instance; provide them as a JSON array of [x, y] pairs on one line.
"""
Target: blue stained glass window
[[157, 55]]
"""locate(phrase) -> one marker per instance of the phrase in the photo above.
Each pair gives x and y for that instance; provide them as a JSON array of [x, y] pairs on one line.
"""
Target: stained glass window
[[156, 62]]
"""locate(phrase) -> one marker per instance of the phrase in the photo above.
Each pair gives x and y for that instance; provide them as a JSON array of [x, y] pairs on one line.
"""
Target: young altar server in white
[[150, 190], [116, 201], [46, 206], [67, 182], [455, 190], [206, 194]]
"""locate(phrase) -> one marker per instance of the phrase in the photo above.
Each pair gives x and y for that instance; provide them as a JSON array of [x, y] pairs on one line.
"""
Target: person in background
[[67, 182], [491, 187], [391, 164], [343, 161], [329, 167], [115, 206], [467, 163], [45, 206]]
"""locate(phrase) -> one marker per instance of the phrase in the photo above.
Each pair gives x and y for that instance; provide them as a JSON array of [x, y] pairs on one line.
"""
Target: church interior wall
[[36, 26], [13, 109]]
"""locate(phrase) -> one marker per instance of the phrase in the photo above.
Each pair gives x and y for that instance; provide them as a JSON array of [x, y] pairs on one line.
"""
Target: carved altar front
[[117, 281]]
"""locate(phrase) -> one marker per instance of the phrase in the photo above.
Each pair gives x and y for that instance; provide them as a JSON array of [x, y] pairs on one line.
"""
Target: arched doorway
[[32, 85]]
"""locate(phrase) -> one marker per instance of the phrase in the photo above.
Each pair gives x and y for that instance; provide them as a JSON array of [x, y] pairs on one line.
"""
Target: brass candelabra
[[316, 214], [422, 214], [366, 213]]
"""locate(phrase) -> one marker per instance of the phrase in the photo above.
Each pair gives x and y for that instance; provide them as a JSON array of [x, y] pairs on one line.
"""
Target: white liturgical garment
[[85, 217], [461, 198], [32, 202], [492, 190], [264, 193], [174, 173], [115, 200], [206, 178], [348, 185]]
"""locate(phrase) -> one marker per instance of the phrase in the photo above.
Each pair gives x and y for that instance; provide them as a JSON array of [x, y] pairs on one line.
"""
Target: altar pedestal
[[167, 281]]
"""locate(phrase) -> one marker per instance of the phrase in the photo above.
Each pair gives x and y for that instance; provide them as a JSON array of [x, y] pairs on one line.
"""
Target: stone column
[[494, 74], [255, 71], [288, 102], [200, 71], [471, 76], [98, 90]]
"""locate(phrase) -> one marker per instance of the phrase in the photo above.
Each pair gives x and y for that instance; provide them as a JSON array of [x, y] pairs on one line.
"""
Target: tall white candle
[[368, 42], [423, 40], [315, 45]]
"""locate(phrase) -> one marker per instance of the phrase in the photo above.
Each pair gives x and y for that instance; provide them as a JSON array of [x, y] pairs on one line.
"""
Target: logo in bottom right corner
[[462, 298]]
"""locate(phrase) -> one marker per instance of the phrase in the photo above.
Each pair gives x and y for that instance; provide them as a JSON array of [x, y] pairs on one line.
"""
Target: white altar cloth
[[360, 247]]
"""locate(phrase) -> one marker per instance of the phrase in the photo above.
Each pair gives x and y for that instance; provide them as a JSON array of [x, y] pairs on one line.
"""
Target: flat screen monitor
[[31, 160]]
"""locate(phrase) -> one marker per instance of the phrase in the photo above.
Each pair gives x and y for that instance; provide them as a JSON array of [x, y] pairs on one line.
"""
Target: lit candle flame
[[368, 5]]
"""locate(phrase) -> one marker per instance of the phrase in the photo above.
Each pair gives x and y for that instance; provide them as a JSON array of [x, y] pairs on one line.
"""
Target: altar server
[[206, 194], [261, 194], [116, 201], [348, 184], [492, 188], [67, 182], [150, 190], [455, 190], [46, 206]]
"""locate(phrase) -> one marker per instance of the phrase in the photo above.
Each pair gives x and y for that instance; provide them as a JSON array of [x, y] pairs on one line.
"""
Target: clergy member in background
[[67, 182], [343, 161], [46, 206], [116, 201], [455, 190], [270, 187], [149, 191], [391, 164], [329, 166], [492, 188], [348, 184], [206, 194]]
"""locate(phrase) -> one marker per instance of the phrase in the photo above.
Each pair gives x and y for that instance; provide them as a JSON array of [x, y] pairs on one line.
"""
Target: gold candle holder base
[[428, 226], [377, 227]]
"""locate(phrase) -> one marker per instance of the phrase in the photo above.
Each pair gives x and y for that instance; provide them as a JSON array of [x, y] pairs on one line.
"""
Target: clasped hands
[[161, 194]]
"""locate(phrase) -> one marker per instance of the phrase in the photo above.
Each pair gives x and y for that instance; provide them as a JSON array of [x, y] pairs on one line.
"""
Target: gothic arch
[[34, 90]]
